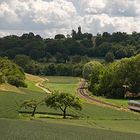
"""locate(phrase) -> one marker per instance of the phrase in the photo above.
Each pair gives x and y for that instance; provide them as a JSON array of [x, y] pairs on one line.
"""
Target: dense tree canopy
[[117, 76], [11, 73], [120, 44], [91, 68]]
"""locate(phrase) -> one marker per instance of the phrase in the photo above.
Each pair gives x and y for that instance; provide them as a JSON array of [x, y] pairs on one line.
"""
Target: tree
[[90, 68], [109, 57], [120, 74], [76, 59], [22, 60], [63, 101], [59, 36], [30, 104], [121, 53], [74, 34]]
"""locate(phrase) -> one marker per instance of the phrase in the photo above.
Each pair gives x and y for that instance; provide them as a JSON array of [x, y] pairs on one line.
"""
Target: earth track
[[41, 86], [82, 92]]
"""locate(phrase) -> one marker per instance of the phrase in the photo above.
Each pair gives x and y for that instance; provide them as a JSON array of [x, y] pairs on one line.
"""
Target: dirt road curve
[[81, 91]]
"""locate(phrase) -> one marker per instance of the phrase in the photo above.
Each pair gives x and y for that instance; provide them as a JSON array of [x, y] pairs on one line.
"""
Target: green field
[[119, 102], [65, 84], [93, 121], [40, 130]]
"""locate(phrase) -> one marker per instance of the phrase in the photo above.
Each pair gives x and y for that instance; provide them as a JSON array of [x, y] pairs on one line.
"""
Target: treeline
[[120, 79], [120, 44], [11, 73], [61, 49], [51, 69]]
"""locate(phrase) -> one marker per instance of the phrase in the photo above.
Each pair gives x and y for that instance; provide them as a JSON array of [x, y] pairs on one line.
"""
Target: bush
[[16, 81], [11, 73]]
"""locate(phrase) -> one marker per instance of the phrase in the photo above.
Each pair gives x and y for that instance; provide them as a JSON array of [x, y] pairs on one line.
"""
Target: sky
[[50, 17]]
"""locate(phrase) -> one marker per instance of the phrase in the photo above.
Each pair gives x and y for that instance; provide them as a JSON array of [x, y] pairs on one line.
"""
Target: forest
[[65, 55]]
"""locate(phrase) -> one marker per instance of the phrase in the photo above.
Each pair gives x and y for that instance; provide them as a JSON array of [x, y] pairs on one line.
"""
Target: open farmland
[[65, 84], [40, 130], [93, 121]]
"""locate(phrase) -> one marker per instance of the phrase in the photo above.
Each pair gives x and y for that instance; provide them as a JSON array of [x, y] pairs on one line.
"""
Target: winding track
[[81, 91], [41, 86]]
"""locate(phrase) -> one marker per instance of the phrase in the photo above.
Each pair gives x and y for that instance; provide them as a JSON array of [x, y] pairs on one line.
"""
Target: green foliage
[[1, 78], [109, 57], [16, 81], [121, 53], [30, 104], [22, 60], [11, 73], [117, 76], [62, 101], [81, 44], [92, 68]]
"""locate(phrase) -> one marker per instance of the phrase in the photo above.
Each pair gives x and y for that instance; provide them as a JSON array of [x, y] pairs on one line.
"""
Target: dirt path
[[41, 86], [82, 92]]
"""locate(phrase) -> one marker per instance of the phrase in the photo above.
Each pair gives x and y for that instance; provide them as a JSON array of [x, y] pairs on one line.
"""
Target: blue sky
[[49, 17]]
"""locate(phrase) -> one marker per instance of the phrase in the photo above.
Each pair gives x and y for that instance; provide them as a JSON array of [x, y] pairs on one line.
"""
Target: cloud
[[49, 17], [103, 22], [7, 14]]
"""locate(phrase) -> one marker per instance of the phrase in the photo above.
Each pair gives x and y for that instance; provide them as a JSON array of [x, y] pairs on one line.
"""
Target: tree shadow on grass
[[49, 115]]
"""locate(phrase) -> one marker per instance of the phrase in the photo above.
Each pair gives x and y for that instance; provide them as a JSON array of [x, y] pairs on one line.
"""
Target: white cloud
[[93, 6], [7, 14], [102, 23], [48, 17]]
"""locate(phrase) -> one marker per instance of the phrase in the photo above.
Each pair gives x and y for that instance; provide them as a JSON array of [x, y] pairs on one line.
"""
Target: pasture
[[93, 121], [40, 130], [62, 83]]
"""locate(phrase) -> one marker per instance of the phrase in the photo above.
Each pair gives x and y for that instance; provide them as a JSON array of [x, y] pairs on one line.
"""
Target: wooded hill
[[82, 44]]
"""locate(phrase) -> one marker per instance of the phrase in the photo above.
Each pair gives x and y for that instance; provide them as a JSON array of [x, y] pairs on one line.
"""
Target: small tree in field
[[63, 101], [30, 104]]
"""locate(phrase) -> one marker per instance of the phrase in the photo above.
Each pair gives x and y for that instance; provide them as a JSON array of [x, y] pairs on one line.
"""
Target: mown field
[[40, 130], [62, 83], [93, 121]]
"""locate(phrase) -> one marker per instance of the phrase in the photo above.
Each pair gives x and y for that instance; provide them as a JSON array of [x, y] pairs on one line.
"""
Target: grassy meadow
[[62, 83], [40, 130], [93, 121]]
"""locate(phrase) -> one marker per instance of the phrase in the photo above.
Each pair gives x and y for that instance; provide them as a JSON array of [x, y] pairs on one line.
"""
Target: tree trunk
[[64, 114], [33, 113]]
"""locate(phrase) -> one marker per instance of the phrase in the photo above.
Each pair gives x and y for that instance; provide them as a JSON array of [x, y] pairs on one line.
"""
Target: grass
[[65, 84], [40, 130], [8, 87], [95, 121], [9, 99], [118, 102]]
